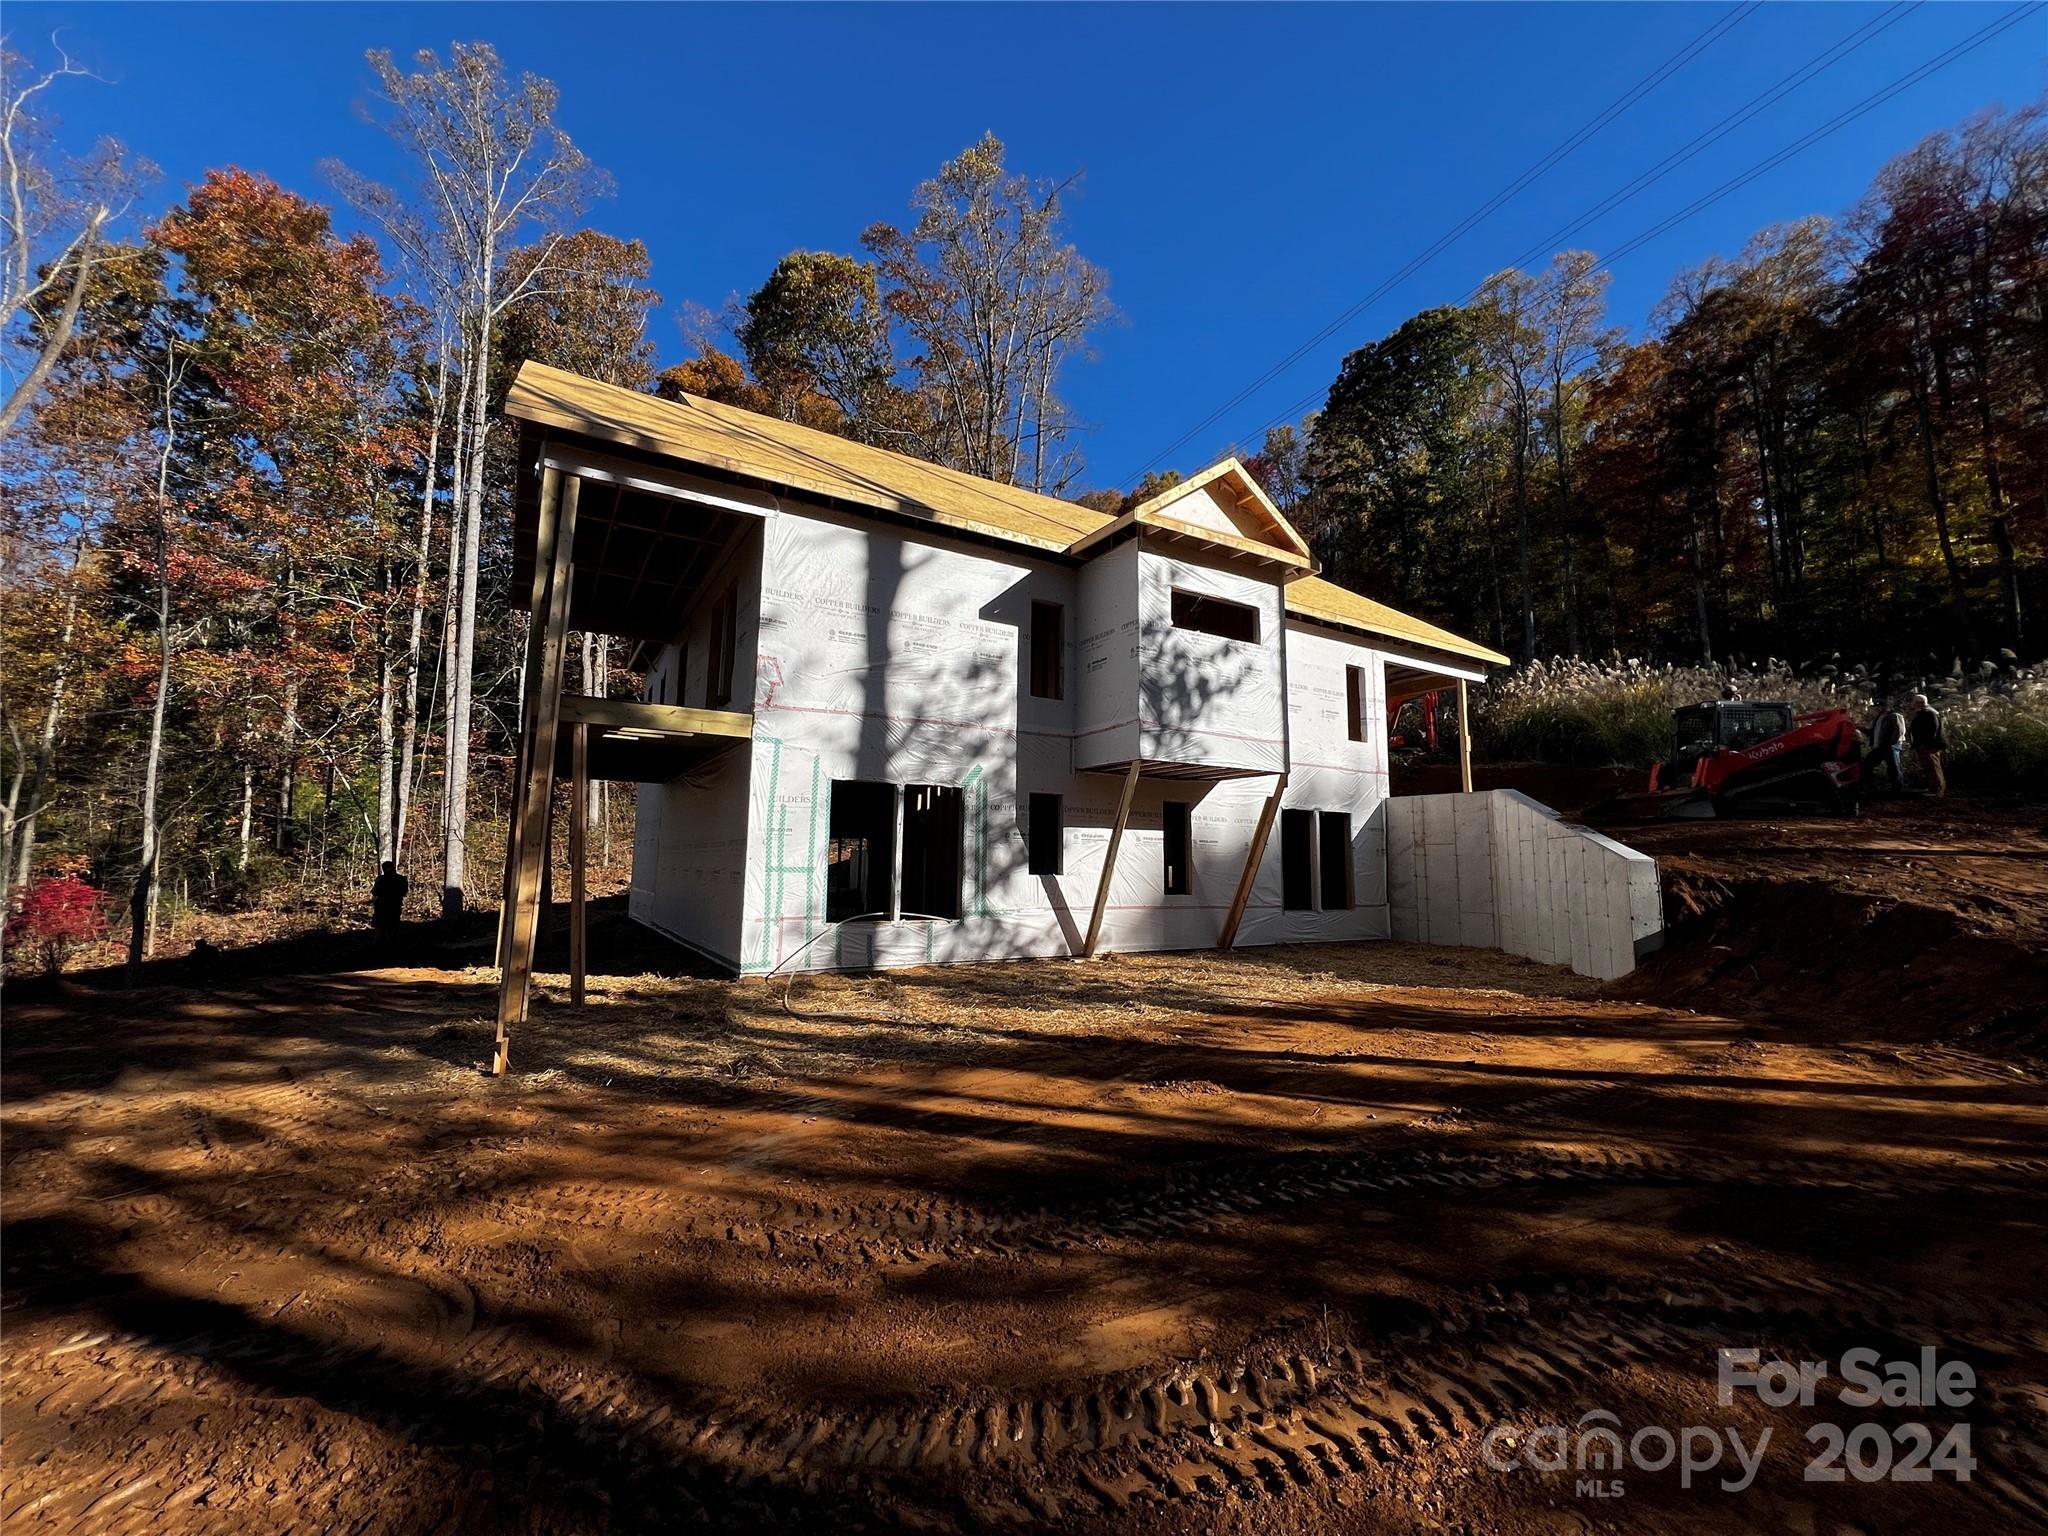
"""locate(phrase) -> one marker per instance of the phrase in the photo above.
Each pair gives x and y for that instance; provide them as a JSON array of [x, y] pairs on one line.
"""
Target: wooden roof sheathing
[[1315, 598], [781, 453], [802, 458]]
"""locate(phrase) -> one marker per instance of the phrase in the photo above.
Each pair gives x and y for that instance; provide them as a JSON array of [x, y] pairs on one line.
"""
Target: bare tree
[[1569, 310], [492, 164], [19, 816], [401, 812], [142, 897], [425, 261], [53, 219], [996, 301]]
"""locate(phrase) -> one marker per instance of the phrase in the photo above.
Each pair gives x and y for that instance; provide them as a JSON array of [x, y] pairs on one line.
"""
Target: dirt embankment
[[1919, 920], [1568, 788]]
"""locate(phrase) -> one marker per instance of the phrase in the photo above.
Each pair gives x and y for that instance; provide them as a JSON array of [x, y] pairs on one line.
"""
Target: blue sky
[[1250, 172]]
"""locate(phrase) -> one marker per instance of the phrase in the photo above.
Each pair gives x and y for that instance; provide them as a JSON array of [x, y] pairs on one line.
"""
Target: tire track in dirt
[[1290, 1425], [1277, 1425], [912, 1231]]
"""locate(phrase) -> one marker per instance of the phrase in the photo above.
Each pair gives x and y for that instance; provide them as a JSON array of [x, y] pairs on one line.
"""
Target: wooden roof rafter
[[1229, 477]]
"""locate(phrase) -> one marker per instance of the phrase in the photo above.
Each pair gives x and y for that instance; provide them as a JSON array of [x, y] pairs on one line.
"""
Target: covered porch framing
[[614, 545]]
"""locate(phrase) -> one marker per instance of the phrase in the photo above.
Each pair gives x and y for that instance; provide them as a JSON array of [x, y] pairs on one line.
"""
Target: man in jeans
[[1887, 747], [1923, 730]]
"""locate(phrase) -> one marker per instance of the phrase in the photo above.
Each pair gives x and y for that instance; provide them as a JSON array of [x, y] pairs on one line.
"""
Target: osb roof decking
[[802, 458], [1315, 598], [782, 453]]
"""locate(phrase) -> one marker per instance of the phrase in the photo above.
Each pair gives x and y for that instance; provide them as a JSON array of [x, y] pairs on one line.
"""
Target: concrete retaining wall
[[1497, 869]]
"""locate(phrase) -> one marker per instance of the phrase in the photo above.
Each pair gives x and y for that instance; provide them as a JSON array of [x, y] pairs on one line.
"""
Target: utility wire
[[1868, 105], [1806, 141], [1819, 64], [1685, 55]]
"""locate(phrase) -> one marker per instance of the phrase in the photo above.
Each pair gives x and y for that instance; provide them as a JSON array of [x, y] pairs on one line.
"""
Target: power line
[[1819, 64], [1806, 141], [1685, 55], [1869, 104]]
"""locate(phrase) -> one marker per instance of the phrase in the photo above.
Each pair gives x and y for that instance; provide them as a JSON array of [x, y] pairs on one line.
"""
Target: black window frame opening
[[1217, 616], [1177, 840], [724, 645], [1333, 860], [1354, 702], [1048, 652], [934, 818], [1045, 839], [1297, 860], [860, 849]]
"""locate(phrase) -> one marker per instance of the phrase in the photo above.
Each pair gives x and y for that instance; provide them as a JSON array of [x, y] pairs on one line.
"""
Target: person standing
[[1888, 746], [1923, 730], [387, 903]]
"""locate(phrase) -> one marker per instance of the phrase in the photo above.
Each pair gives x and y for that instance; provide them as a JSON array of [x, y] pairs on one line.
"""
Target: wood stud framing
[[1464, 740], [547, 712], [547, 636], [579, 823], [1116, 837]]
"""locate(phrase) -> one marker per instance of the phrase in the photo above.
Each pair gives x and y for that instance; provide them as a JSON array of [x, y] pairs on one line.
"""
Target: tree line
[[1834, 441]]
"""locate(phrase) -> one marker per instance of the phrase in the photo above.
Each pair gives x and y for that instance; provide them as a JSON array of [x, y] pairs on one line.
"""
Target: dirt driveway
[[1260, 1243]]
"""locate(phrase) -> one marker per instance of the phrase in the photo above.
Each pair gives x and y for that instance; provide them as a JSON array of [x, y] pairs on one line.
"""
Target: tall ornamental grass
[[1998, 740], [1619, 711]]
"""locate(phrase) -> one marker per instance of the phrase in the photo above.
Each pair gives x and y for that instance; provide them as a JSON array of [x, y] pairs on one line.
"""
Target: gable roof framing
[[1230, 483], [1228, 478]]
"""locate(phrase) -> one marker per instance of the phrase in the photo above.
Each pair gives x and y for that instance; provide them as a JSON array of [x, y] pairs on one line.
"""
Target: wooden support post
[[1464, 740], [1268, 814], [512, 819], [544, 908], [579, 825], [547, 632], [1116, 837]]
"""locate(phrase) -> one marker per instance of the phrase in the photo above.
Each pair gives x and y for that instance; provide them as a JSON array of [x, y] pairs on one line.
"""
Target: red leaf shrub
[[59, 913]]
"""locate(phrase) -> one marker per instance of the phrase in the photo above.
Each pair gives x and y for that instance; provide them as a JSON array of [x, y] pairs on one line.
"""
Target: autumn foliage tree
[[56, 916], [1832, 440]]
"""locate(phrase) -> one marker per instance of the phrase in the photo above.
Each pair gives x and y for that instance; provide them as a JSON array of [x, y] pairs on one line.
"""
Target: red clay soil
[[1920, 919], [1258, 1243]]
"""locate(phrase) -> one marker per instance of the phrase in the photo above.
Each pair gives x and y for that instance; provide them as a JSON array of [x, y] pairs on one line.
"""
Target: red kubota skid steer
[[1734, 757]]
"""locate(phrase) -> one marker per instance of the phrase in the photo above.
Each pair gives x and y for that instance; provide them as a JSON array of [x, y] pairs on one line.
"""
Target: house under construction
[[896, 714]]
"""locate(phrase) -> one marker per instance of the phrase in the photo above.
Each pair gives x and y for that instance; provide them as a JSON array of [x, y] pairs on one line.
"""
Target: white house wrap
[[956, 721]]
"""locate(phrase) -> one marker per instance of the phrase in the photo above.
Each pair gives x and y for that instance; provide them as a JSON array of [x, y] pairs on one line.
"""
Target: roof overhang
[[1329, 606], [786, 457], [694, 475]]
